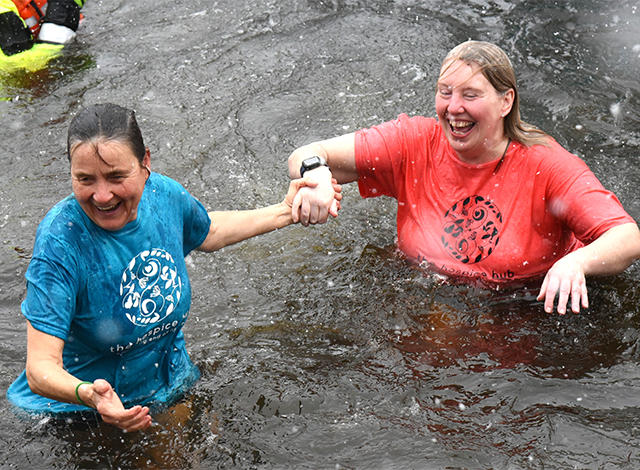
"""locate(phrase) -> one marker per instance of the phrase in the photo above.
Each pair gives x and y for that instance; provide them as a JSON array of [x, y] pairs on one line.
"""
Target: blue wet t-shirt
[[118, 299]]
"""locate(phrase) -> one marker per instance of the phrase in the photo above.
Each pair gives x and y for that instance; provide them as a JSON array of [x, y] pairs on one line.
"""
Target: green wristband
[[78, 395]]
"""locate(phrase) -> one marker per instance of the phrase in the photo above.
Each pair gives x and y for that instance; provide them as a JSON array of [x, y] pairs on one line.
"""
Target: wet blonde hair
[[497, 69]]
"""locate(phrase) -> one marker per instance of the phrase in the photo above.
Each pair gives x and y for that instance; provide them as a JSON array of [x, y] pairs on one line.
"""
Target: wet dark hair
[[106, 123]]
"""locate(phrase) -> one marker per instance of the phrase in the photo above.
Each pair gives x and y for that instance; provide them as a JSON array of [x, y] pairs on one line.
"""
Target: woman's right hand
[[48, 378], [110, 407]]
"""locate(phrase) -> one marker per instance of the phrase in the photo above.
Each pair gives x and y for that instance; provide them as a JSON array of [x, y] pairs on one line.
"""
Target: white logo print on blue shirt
[[150, 287]]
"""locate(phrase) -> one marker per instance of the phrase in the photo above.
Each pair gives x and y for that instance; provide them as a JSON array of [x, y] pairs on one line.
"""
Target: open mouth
[[109, 209], [461, 128]]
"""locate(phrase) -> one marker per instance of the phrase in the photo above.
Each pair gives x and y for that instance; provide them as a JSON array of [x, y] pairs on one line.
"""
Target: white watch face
[[312, 162]]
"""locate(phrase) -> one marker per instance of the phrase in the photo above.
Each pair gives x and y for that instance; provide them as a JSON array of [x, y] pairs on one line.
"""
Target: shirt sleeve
[[194, 216], [578, 198], [381, 152], [52, 287], [196, 224]]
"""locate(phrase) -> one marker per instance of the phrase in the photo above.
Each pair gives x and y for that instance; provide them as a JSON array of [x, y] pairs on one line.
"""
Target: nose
[[103, 193], [456, 104]]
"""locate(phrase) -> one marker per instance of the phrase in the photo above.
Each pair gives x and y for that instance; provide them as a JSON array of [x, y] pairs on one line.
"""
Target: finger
[[306, 181], [576, 296], [141, 426], [323, 215], [133, 419], [317, 215], [563, 297], [295, 208], [550, 294], [137, 425], [584, 296], [313, 215], [543, 288], [141, 421], [335, 207], [305, 209]]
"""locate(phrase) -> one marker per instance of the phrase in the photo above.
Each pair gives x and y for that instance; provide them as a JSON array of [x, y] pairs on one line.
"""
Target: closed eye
[[116, 177], [83, 179]]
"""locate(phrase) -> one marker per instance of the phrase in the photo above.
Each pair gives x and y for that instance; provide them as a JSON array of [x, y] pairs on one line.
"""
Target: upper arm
[[341, 157], [210, 242]]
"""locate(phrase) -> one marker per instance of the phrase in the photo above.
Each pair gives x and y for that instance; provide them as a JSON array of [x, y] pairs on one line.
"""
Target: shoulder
[[553, 156], [158, 181], [403, 129], [419, 126], [62, 234], [64, 220], [160, 187], [413, 123], [416, 121]]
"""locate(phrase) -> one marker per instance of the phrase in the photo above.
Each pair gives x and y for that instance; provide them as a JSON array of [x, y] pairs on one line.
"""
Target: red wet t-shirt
[[499, 223]]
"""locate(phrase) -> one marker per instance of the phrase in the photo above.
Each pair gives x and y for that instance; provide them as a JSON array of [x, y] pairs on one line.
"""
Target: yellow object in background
[[20, 22], [31, 60]]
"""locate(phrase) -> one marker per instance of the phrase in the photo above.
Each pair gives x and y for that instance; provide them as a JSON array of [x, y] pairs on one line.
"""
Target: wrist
[[283, 216], [312, 163], [319, 174], [80, 393]]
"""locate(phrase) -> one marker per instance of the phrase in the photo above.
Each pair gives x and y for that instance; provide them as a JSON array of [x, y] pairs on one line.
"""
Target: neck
[[491, 154], [495, 170]]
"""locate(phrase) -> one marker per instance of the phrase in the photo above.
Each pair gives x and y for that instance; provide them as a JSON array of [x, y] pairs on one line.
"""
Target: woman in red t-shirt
[[481, 194]]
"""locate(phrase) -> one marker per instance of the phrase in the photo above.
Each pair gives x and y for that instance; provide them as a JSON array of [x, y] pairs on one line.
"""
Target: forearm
[[339, 153], [45, 372], [613, 252], [301, 153], [229, 227], [52, 381]]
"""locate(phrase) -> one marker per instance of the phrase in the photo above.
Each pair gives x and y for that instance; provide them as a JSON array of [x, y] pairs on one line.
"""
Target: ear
[[146, 161], [507, 101]]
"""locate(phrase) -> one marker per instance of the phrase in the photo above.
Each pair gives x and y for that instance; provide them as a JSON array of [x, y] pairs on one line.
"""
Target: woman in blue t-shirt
[[107, 287]]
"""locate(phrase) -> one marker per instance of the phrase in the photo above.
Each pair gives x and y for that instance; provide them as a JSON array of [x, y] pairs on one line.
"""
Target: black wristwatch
[[311, 163]]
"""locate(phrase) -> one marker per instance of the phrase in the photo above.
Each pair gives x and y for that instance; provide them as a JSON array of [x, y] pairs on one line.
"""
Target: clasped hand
[[315, 200]]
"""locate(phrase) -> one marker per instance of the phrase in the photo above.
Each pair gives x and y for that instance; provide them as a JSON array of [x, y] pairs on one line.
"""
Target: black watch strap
[[312, 163]]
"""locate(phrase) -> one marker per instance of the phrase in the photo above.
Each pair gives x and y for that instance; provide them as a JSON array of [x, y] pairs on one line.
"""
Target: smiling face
[[471, 112], [108, 181]]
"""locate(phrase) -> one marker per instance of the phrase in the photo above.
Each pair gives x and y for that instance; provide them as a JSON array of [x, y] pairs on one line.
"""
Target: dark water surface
[[321, 348]]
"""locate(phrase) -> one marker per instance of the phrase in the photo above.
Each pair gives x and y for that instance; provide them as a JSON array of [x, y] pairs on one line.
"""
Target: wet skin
[[108, 183], [470, 111]]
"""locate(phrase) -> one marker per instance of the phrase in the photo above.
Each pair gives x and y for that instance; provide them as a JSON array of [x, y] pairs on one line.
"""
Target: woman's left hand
[[609, 254], [565, 279]]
